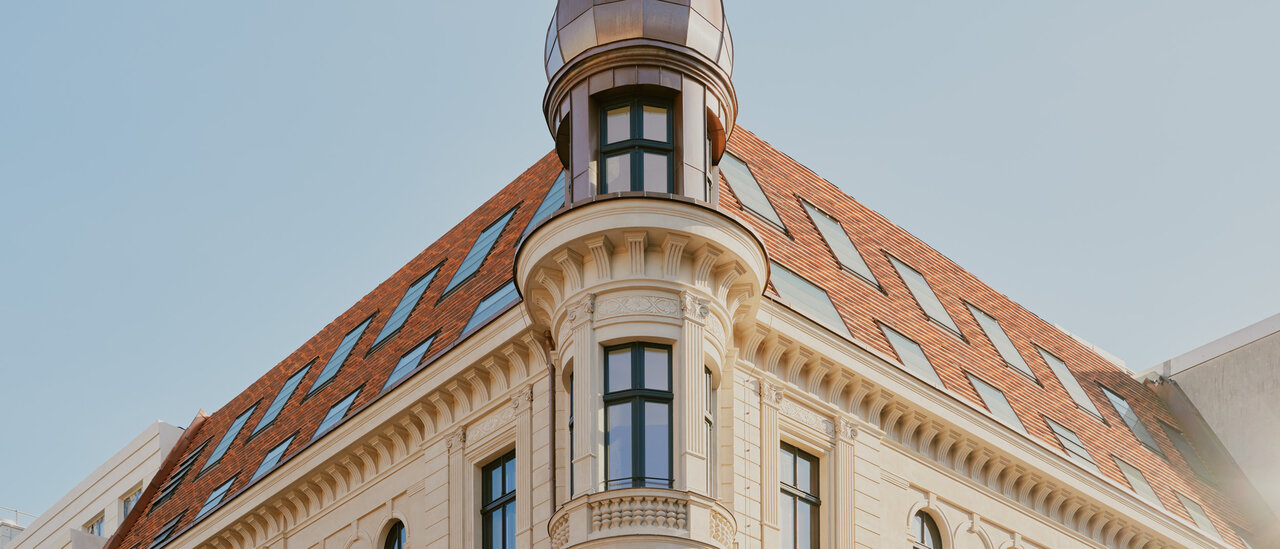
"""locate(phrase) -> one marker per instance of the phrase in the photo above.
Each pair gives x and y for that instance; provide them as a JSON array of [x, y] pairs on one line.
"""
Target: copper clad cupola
[[639, 97]]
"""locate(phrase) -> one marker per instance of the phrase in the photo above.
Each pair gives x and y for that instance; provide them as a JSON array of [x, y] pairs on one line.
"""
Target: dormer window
[[636, 147]]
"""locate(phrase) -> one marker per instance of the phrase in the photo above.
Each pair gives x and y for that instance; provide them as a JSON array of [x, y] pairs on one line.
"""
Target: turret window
[[636, 147], [637, 404]]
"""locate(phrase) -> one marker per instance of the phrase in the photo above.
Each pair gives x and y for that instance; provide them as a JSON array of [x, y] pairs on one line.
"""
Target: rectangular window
[[637, 402], [335, 415], [709, 420], [1000, 339], [339, 356], [498, 508], [1138, 481], [228, 438], [798, 517], [128, 502], [807, 298], [282, 398], [637, 148], [272, 459], [996, 402], [841, 245], [923, 293], [747, 189], [408, 362], [1198, 515], [94, 527], [405, 307], [166, 531], [179, 473], [552, 202], [492, 305], [1069, 383], [1073, 445], [1188, 452], [215, 498], [479, 251], [912, 356], [1131, 419]]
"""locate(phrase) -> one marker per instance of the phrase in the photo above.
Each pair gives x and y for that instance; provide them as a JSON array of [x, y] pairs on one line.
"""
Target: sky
[[191, 190]]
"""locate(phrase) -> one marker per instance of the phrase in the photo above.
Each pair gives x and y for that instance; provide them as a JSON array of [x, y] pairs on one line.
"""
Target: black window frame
[[790, 489], [637, 145], [381, 340], [397, 536], [165, 534], [489, 505], [637, 395], [456, 283], [922, 524], [179, 474]]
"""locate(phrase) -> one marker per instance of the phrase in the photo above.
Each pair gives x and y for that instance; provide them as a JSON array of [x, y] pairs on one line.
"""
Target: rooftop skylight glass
[[215, 498], [747, 189], [1131, 419], [228, 438], [479, 251], [405, 307], [1001, 341], [408, 362], [552, 202], [282, 398], [1198, 515], [1073, 445], [841, 245], [1138, 481], [912, 356], [336, 413], [807, 298], [339, 356], [924, 295], [490, 306], [997, 403], [1188, 452], [1069, 382], [272, 458]]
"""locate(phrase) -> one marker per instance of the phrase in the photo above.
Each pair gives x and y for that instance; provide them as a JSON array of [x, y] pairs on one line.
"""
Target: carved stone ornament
[[496, 420], [582, 310], [694, 307], [847, 430], [807, 417], [522, 398], [456, 439], [637, 304], [770, 393]]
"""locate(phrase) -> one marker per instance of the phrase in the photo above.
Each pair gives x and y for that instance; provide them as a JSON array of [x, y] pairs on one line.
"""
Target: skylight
[[490, 306], [1131, 419], [997, 403], [912, 356], [215, 498], [1069, 383], [1138, 481], [228, 438], [167, 530], [1074, 447], [179, 473], [282, 398], [840, 243], [1188, 452], [924, 295], [1001, 341], [807, 298], [1198, 515], [479, 251], [336, 413], [405, 307], [408, 362], [339, 356], [747, 189], [272, 458], [552, 202]]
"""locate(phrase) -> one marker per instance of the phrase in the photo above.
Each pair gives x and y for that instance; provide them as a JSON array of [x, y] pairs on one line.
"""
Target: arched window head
[[395, 536], [924, 532]]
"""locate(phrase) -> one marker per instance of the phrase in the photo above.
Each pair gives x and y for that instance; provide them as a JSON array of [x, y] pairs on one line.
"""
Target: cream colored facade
[[101, 495]]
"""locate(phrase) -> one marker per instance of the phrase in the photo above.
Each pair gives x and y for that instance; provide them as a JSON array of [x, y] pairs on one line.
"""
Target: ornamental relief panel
[[807, 417], [637, 304]]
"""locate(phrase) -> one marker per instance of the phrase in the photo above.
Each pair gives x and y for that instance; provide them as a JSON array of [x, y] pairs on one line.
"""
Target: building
[[91, 512], [1221, 392], [667, 333]]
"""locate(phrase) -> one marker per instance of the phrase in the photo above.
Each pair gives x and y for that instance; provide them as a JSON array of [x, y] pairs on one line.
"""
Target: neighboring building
[[91, 512], [10, 529], [667, 333], [1224, 392]]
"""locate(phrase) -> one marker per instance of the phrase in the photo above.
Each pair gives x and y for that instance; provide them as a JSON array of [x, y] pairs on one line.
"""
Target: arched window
[[395, 536], [924, 532]]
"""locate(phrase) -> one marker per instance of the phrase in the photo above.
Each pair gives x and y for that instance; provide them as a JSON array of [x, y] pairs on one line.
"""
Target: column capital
[[456, 440], [770, 392], [522, 398]]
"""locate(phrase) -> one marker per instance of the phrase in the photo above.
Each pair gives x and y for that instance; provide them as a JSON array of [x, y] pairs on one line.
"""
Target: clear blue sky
[[190, 190]]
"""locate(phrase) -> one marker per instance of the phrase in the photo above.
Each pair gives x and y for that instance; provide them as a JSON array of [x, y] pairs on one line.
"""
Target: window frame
[[426, 346], [385, 337], [321, 380], [179, 474], [228, 439], [454, 282], [99, 523], [489, 505], [1025, 369], [475, 323], [1195, 461], [801, 307], [268, 418], [1093, 409], [1070, 455], [927, 526], [974, 380], [801, 497], [778, 224], [321, 430], [165, 534], [953, 327], [1153, 445], [400, 533], [709, 420], [636, 396], [886, 330], [636, 145], [539, 214], [811, 210], [260, 472], [216, 497], [1154, 498]]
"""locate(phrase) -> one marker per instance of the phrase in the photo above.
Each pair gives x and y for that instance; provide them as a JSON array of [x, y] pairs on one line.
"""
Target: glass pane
[[510, 470], [495, 483], [657, 441], [479, 251], [787, 520], [924, 295], [1001, 341], [786, 467], [912, 356], [505, 295], [747, 189], [1069, 382], [996, 402], [841, 246], [618, 125], [1138, 481], [655, 123], [655, 369], [1131, 419], [510, 513], [655, 173], [496, 522], [617, 173], [804, 525], [619, 370], [804, 474], [806, 297], [618, 441]]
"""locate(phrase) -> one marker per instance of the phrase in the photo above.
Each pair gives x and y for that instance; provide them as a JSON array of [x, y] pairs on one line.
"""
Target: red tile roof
[[801, 250]]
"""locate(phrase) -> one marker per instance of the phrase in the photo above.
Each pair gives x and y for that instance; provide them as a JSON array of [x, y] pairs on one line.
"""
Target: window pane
[[509, 469], [807, 298], [1198, 515], [496, 523], [1138, 481], [656, 372], [804, 475], [657, 441], [408, 362], [617, 173], [1188, 451], [619, 370], [336, 413], [787, 520], [747, 189], [1131, 419], [228, 438], [618, 441], [841, 246], [339, 356], [510, 514], [618, 125], [1074, 447], [804, 525], [495, 483], [786, 467], [1069, 382], [1001, 341], [406, 305], [912, 356], [490, 306], [656, 178], [272, 458], [479, 251], [282, 398], [552, 202], [655, 123], [924, 295], [996, 402]]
